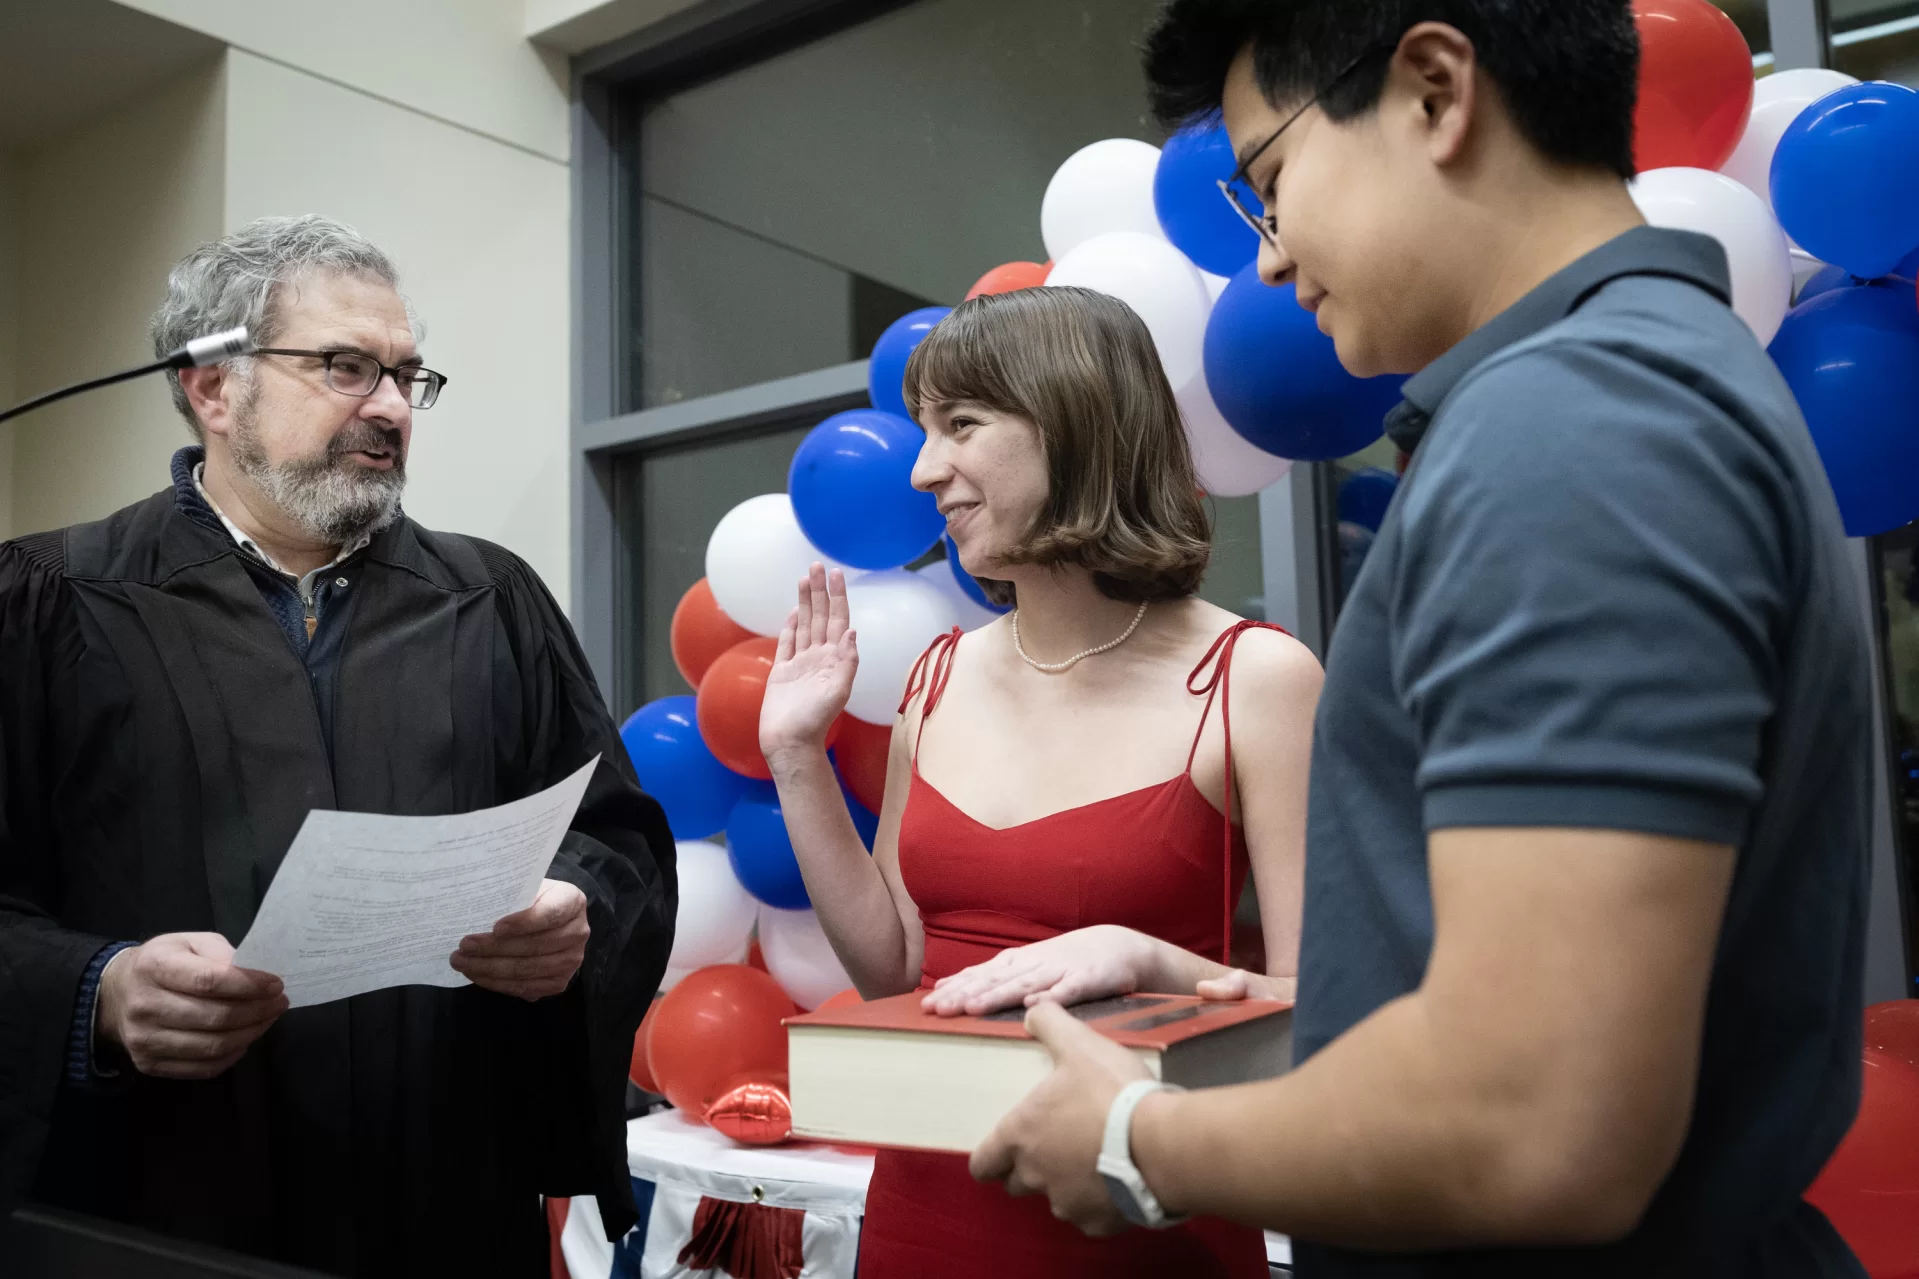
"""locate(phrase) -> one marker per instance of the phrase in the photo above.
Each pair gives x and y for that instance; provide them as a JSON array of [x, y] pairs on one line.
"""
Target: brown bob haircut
[[1123, 497]]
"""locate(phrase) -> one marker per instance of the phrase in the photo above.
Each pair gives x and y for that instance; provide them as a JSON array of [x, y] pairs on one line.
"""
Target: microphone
[[212, 349]]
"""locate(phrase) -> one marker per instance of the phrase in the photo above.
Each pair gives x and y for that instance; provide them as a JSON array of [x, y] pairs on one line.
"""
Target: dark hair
[[1123, 499], [1567, 70]]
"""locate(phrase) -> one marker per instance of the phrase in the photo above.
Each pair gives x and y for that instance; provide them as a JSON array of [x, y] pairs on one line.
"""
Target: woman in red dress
[[1077, 791]]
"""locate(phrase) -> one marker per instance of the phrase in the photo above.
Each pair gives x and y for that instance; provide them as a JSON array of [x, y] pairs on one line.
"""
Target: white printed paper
[[364, 901]]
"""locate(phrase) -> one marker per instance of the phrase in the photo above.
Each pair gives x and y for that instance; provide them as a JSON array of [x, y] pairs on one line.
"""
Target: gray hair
[[239, 278]]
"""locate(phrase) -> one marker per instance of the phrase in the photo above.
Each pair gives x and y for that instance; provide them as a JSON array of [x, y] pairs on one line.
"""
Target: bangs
[[966, 357]]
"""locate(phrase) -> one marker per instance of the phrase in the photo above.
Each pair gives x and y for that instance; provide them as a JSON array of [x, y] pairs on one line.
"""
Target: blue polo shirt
[[1614, 593]]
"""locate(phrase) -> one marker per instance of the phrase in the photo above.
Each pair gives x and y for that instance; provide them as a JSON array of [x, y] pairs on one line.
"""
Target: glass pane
[[790, 210], [1235, 580], [1874, 40], [667, 504], [1898, 557], [1750, 15]]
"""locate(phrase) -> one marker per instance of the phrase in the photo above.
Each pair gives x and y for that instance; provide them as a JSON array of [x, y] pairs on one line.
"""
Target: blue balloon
[[1844, 181], [1364, 496], [852, 490], [760, 851], [698, 792], [1191, 211], [967, 582], [886, 371], [1278, 381], [1852, 358], [1825, 280]]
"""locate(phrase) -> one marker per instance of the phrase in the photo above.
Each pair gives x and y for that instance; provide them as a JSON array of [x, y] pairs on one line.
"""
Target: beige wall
[[103, 213], [479, 231], [9, 326], [466, 62]]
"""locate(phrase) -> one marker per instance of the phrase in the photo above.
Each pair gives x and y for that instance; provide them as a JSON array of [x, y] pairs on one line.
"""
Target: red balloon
[[640, 1072], [701, 632], [718, 1026], [728, 708], [1870, 1189], [1695, 85], [1893, 1028], [1013, 275], [845, 999], [861, 756]]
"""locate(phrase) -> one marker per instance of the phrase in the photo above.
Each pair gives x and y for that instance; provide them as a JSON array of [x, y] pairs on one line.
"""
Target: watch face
[[1122, 1196]]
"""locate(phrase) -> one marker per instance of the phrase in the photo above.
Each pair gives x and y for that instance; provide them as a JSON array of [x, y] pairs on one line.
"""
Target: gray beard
[[328, 498]]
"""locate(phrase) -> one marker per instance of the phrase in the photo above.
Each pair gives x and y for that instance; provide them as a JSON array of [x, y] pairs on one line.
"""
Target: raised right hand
[[179, 1009], [812, 670]]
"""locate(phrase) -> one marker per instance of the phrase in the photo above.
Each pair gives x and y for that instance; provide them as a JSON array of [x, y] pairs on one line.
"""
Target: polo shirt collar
[[1678, 255]]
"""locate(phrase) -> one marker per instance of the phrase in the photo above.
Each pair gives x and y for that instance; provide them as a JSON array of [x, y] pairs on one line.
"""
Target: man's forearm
[[1376, 1142]]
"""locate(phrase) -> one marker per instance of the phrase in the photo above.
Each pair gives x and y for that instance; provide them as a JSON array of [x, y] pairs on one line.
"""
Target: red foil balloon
[[701, 632], [754, 1113], [1870, 1189], [1695, 85], [1893, 1028], [1013, 275], [860, 756], [718, 1026], [638, 1070], [728, 708]]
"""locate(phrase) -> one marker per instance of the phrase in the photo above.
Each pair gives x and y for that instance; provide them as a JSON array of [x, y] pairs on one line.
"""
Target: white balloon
[[799, 957], [1107, 186], [1777, 101], [1228, 464], [1756, 248], [971, 615], [755, 560], [1215, 284], [897, 614], [716, 912], [1157, 281]]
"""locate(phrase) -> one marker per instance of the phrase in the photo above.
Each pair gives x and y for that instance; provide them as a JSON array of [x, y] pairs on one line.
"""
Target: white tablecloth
[[675, 1164]]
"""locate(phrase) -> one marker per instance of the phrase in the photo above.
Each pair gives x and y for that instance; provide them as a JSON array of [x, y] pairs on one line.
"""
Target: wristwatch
[[1135, 1201]]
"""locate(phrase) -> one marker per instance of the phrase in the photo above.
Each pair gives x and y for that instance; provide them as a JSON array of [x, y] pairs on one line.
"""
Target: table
[[677, 1166]]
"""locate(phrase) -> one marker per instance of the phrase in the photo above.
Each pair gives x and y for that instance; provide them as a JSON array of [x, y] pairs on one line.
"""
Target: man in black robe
[[180, 684]]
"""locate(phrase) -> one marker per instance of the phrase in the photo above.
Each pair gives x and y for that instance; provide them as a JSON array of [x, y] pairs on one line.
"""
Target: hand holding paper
[[532, 953]]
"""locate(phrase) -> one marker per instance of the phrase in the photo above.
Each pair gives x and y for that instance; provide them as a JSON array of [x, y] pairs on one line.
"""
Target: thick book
[[887, 1074]]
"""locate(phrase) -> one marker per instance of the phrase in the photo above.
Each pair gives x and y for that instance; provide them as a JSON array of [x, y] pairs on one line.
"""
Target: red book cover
[[1137, 1021]]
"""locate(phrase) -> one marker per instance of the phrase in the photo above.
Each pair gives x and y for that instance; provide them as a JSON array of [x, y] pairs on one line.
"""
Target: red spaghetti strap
[[1219, 685], [933, 683]]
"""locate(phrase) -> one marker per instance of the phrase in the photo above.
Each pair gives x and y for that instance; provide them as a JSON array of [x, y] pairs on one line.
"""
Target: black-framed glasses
[[1240, 194], [356, 373]]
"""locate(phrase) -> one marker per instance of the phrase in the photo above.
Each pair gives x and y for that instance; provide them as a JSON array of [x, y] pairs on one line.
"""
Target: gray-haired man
[[183, 682]]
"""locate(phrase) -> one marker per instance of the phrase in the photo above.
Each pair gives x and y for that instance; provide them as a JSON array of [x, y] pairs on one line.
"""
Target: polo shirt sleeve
[[1590, 598]]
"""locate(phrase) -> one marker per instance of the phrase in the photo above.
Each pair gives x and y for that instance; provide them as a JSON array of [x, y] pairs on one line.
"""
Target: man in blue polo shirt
[[1586, 872]]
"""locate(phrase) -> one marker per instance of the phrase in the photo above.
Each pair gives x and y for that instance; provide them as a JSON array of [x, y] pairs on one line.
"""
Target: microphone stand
[[211, 349]]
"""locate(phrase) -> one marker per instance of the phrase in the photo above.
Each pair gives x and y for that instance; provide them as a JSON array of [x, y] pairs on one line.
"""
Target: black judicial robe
[[159, 748]]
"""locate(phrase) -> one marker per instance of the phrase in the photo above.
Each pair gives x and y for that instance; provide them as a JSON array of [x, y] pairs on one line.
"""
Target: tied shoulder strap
[[930, 675], [1213, 679]]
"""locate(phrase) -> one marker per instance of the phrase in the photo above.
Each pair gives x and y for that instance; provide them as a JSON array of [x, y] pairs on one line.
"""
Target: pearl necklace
[[1054, 668]]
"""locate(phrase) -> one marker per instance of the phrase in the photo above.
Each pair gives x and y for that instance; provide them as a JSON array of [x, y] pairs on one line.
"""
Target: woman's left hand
[[1090, 963]]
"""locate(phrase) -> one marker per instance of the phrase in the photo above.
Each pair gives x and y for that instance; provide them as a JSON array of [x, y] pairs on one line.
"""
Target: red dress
[[1161, 860]]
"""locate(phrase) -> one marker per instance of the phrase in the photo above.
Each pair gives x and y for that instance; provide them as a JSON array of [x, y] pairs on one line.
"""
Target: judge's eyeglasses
[[355, 373], [1239, 192]]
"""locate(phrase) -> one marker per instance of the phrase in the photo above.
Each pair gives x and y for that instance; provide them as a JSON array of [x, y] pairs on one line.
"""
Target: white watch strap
[[1116, 1150]]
